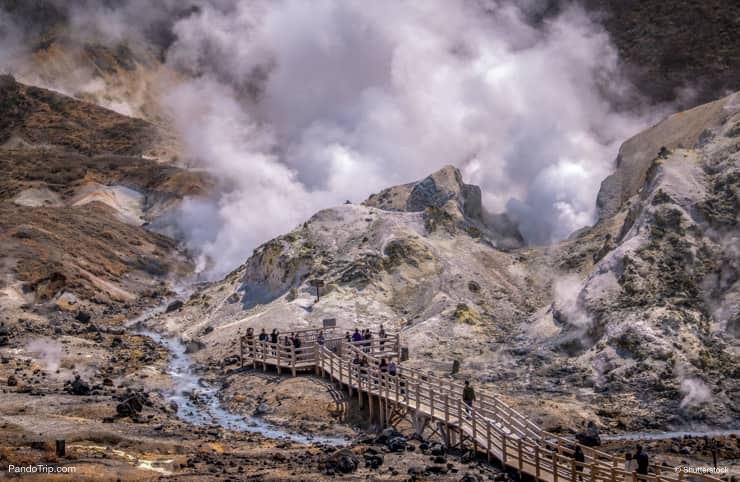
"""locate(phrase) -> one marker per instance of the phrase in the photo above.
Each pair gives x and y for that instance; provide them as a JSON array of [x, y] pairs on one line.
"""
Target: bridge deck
[[493, 427]]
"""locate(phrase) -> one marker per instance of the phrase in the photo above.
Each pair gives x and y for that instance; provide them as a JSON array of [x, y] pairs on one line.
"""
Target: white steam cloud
[[301, 105], [297, 105], [695, 391]]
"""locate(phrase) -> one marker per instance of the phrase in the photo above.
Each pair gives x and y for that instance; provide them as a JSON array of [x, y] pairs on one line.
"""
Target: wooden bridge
[[433, 405]]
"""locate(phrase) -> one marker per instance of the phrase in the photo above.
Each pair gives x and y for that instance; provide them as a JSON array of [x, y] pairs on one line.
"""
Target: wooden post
[[279, 349], [331, 370], [519, 456], [475, 431], [264, 356], [292, 360], [417, 396], [370, 404], [431, 402], [593, 470], [447, 410], [503, 450], [349, 376], [572, 470], [537, 462], [488, 441], [61, 446], [612, 475]]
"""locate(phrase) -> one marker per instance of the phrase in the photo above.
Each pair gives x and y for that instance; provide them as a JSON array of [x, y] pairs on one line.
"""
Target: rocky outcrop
[[685, 130]]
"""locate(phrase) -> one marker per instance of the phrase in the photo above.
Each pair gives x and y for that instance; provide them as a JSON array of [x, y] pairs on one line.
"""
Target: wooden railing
[[284, 355], [494, 427]]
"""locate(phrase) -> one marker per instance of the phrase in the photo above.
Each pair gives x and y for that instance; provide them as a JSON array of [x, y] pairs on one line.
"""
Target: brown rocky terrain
[[74, 197]]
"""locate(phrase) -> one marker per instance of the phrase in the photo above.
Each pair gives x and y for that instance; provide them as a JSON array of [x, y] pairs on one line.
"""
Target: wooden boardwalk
[[434, 405]]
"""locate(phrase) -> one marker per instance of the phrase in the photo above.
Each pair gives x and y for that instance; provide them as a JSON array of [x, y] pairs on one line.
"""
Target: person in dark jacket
[[468, 396], [263, 335], [356, 336], [580, 459], [381, 338], [274, 339], [643, 461]]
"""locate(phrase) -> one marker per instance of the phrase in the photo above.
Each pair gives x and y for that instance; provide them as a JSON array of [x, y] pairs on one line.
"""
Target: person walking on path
[[468, 396]]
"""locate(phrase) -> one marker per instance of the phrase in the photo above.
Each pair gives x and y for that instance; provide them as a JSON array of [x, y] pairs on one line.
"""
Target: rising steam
[[297, 106]]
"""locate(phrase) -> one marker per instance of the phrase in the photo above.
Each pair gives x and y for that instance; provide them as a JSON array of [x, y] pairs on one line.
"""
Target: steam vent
[[430, 240]]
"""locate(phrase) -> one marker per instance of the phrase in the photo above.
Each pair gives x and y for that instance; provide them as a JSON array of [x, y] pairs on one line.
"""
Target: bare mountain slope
[[75, 197]]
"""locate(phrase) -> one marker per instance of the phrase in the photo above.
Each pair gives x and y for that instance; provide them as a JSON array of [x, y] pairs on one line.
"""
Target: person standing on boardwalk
[[249, 340], [580, 458], [642, 460], [630, 465], [263, 335], [274, 339], [468, 395], [381, 338]]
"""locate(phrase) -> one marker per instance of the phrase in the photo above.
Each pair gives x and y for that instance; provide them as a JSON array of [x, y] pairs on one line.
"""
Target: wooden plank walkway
[[491, 426]]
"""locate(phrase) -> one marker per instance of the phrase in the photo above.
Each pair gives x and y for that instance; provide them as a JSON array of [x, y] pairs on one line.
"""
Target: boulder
[[175, 305], [77, 386], [343, 461]]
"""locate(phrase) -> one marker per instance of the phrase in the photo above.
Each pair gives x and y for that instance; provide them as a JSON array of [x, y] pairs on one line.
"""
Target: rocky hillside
[[634, 320], [75, 198]]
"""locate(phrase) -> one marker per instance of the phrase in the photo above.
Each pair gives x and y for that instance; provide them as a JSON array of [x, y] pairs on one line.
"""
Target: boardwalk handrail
[[495, 427]]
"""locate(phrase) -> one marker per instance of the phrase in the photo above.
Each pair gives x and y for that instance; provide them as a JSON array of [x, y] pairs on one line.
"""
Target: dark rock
[[373, 459], [231, 360], [12, 381], [343, 461], [193, 346], [471, 478], [397, 444], [437, 449], [175, 305], [83, 317], [77, 386]]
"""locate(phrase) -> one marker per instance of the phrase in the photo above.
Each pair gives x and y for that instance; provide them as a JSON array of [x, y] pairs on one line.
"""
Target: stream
[[208, 411]]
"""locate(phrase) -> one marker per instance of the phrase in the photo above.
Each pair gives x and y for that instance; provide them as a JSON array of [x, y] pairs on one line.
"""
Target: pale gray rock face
[[628, 321]]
